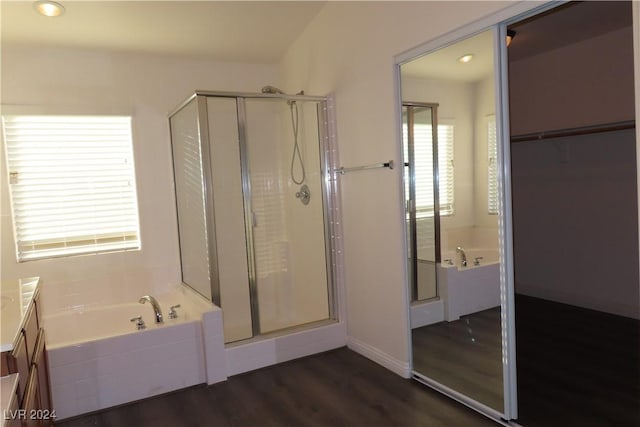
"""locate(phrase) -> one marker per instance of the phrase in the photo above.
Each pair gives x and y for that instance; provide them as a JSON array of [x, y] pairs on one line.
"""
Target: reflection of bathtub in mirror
[[466, 290]]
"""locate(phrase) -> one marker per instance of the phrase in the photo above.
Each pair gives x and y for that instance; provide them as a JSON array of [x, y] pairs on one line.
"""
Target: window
[[423, 157], [72, 184], [492, 149]]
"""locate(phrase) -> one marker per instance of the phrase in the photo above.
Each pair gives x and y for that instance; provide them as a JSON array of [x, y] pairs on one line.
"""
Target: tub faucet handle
[[476, 260], [173, 314], [139, 322]]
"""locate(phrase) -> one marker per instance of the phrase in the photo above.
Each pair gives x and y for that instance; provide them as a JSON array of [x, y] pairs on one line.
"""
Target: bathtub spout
[[463, 255], [156, 307]]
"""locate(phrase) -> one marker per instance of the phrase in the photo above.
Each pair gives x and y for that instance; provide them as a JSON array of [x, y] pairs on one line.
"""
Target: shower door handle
[[254, 219]]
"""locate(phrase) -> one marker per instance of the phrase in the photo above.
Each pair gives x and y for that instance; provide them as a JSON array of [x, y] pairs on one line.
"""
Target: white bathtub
[[487, 255], [98, 359], [466, 290]]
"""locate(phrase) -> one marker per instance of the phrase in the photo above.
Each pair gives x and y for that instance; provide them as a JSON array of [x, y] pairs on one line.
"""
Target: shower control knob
[[304, 194]]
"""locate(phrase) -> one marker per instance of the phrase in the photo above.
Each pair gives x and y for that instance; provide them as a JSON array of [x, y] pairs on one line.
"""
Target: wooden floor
[[576, 367], [465, 355], [336, 388]]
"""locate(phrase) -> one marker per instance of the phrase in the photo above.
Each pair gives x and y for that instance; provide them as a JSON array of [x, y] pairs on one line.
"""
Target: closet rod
[[584, 130]]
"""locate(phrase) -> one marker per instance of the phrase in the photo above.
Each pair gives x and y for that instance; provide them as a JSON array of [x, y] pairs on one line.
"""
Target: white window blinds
[[492, 150], [423, 159], [72, 184]]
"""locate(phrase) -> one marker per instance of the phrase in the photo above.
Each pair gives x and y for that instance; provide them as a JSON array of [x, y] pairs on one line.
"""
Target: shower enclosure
[[254, 202]]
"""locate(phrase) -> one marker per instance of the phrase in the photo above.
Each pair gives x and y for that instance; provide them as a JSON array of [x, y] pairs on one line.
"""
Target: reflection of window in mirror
[[492, 160], [423, 152]]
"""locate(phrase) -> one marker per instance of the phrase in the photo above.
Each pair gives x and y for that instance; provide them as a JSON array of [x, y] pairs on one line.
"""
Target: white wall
[[484, 105], [575, 221], [547, 91], [455, 103], [349, 50], [575, 199], [468, 105], [147, 87]]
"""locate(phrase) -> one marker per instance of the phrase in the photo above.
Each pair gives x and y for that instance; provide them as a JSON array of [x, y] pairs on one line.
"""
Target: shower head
[[272, 89]]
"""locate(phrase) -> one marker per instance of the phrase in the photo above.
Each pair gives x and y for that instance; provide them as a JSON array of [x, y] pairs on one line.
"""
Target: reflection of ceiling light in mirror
[[48, 8], [465, 58]]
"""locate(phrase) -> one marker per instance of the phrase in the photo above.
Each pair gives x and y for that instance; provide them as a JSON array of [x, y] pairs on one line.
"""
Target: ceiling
[[569, 24], [558, 27], [443, 63], [238, 31], [261, 31]]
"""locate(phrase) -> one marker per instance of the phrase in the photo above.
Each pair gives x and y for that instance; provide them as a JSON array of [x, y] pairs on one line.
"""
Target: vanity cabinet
[[28, 358], [18, 362], [31, 400], [39, 363]]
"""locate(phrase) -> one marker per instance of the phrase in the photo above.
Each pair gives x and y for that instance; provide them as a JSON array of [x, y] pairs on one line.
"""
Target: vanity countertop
[[16, 296]]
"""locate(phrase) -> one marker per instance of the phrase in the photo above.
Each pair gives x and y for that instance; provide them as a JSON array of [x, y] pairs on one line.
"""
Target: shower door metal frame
[[207, 183], [325, 147], [248, 216], [411, 205], [330, 210]]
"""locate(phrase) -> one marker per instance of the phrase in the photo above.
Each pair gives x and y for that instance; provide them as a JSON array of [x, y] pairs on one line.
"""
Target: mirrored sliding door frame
[[497, 22], [505, 236]]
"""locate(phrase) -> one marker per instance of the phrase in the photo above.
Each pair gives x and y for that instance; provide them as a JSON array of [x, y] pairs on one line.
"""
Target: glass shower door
[[285, 199], [191, 198]]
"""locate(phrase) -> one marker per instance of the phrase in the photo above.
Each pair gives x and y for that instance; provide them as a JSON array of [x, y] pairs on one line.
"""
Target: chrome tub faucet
[[463, 255], [156, 307]]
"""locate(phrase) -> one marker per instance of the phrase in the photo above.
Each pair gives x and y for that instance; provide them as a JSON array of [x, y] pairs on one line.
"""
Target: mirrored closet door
[[450, 151]]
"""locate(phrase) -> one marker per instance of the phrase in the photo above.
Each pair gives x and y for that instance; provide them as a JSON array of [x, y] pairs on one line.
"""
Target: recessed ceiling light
[[465, 58], [48, 8]]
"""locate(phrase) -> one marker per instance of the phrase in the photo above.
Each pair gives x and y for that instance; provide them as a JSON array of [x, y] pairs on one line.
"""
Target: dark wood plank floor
[[465, 355], [576, 367], [336, 388]]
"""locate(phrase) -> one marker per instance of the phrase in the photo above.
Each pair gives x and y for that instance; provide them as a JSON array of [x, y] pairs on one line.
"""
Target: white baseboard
[[399, 367]]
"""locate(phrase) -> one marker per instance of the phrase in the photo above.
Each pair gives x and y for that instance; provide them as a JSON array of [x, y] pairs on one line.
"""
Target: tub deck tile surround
[[95, 381], [89, 374]]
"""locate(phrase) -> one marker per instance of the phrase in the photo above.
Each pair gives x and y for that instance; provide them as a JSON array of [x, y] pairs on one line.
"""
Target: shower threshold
[[284, 345], [282, 332]]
